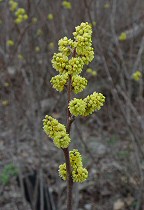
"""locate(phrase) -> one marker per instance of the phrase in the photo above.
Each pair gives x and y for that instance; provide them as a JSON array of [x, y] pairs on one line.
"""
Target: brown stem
[[70, 119], [66, 151], [69, 179]]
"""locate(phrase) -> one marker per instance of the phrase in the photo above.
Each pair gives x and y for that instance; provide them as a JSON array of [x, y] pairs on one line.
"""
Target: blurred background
[[111, 140]]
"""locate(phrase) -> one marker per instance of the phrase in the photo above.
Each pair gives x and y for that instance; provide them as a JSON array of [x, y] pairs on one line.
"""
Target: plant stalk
[[66, 151]]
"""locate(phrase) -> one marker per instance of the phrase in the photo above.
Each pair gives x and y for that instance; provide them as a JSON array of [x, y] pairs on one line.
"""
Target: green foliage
[[123, 154], [8, 171], [112, 140]]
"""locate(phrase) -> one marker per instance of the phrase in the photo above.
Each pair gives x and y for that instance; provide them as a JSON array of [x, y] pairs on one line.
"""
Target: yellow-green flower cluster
[[93, 102], [62, 64], [122, 36], [34, 20], [37, 49], [21, 15], [88, 105], [20, 57], [59, 81], [92, 72], [78, 83], [75, 65], [57, 131], [83, 38], [79, 174], [73, 55], [66, 4], [51, 45], [10, 43], [137, 75], [39, 32], [66, 45], [94, 23], [106, 5], [59, 62], [13, 5], [5, 102], [77, 107], [62, 171], [75, 159], [50, 16]]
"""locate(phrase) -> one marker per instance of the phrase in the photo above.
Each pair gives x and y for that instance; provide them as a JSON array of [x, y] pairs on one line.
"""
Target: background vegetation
[[111, 140]]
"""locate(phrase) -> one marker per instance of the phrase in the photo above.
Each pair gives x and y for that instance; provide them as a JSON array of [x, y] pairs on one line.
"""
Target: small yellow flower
[[66, 46], [25, 17], [62, 171], [10, 43], [66, 4], [20, 57], [94, 73], [39, 32], [5, 102], [59, 81], [37, 49], [51, 45], [89, 70], [75, 65], [13, 5], [18, 20], [21, 15], [51, 126], [77, 107], [61, 140], [50, 16], [106, 5], [75, 159], [80, 174], [93, 102], [6, 84], [122, 36], [78, 83], [34, 20], [137, 75], [60, 62], [83, 40], [57, 131], [94, 23]]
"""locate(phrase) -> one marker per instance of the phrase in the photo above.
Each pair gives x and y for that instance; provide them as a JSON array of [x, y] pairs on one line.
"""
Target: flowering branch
[[69, 62]]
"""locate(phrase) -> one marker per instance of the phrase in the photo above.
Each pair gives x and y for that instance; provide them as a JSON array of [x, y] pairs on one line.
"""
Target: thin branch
[[66, 151]]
